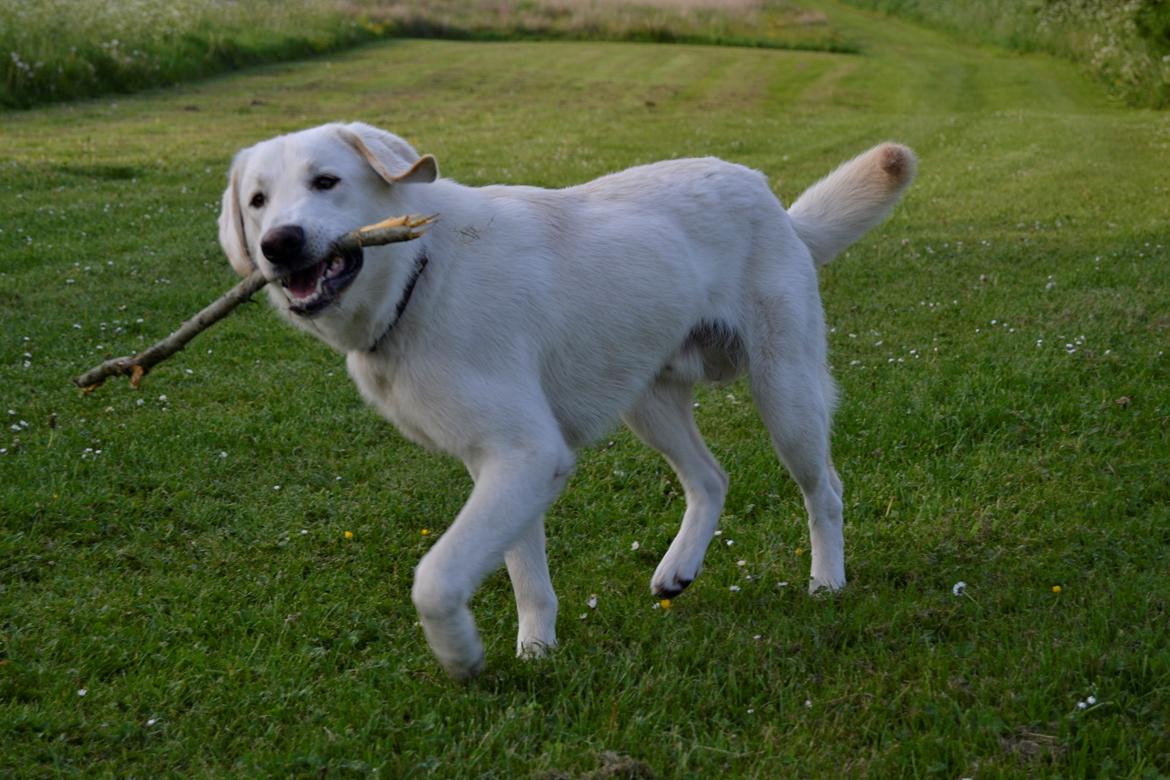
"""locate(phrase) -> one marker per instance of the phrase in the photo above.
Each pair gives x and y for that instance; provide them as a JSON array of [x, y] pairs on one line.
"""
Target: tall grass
[[64, 49], [756, 23], [55, 50], [1124, 43]]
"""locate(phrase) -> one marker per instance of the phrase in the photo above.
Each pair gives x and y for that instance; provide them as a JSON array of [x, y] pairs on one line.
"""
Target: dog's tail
[[836, 211]]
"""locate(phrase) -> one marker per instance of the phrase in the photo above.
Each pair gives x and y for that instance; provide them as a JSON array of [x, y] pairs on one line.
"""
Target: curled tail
[[840, 208]]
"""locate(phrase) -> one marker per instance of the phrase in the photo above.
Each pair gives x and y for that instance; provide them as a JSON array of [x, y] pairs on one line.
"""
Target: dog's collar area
[[420, 263]]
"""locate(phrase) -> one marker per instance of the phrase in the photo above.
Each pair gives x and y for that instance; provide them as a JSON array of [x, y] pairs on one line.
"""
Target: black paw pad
[[669, 593]]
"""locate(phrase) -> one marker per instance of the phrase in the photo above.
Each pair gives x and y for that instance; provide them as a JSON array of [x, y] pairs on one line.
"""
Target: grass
[[1000, 344], [1125, 45], [46, 56]]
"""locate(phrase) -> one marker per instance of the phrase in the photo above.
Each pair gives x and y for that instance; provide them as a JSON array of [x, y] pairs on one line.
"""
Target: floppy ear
[[393, 159], [231, 223]]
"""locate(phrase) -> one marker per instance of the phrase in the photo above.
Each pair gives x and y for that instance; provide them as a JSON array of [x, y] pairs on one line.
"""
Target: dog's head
[[290, 198]]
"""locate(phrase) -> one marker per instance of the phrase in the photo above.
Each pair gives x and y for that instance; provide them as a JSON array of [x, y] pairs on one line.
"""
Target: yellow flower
[[349, 534], [425, 532], [799, 551], [665, 603], [1056, 589]]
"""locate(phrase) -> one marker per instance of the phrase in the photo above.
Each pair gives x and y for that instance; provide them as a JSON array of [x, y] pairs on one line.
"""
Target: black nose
[[283, 245]]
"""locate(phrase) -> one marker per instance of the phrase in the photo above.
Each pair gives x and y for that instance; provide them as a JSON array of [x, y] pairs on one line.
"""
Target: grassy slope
[[157, 43], [220, 625]]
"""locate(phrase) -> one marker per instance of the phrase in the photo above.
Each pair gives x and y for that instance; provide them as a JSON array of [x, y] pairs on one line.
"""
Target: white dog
[[527, 321]]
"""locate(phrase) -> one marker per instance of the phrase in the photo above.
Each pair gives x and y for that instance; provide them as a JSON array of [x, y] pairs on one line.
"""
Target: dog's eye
[[258, 200], [325, 182]]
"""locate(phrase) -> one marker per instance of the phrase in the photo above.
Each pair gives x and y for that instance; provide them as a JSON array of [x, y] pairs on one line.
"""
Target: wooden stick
[[388, 231]]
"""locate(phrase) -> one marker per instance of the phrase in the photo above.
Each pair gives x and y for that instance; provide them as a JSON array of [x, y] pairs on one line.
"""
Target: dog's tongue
[[302, 284]]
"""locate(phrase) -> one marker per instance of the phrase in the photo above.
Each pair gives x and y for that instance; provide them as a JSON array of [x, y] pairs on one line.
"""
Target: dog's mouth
[[313, 289]]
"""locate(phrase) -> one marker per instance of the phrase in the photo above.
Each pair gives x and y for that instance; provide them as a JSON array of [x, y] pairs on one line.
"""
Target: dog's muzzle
[[313, 289]]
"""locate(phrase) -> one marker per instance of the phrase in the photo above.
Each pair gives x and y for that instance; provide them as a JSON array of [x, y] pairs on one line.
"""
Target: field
[[128, 46], [179, 595]]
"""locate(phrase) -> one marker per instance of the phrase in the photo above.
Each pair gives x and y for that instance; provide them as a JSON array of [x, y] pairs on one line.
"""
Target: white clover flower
[[592, 602], [734, 589], [959, 588], [635, 546]]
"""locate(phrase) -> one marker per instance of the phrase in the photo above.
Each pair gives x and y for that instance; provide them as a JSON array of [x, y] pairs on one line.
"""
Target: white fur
[[544, 316]]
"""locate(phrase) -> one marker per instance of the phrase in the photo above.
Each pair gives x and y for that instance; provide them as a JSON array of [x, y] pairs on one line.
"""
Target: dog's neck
[[420, 264]]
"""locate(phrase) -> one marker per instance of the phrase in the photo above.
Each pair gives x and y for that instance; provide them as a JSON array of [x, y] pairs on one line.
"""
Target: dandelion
[[959, 588], [349, 534], [664, 604], [798, 551], [1057, 589], [425, 532]]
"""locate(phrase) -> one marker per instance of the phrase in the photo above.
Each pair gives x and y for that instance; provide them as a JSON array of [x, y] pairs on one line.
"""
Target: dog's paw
[[678, 567], [669, 591], [818, 586], [534, 648], [669, 581], [464, 669]]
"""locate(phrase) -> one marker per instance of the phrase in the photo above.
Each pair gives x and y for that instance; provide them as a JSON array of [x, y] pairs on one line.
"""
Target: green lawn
[[178, 554]]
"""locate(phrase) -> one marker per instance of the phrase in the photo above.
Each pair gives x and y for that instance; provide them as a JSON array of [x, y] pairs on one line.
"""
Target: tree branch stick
[[137, 366]]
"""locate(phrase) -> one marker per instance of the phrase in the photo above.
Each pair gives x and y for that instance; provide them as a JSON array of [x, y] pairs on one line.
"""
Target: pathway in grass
[[179, 554]]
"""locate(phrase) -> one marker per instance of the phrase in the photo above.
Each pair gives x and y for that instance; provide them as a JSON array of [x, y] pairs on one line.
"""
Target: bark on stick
[[137, 366]]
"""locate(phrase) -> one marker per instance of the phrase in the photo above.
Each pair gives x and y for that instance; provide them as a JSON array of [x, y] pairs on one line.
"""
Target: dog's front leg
[[536, 603], [511, 492]]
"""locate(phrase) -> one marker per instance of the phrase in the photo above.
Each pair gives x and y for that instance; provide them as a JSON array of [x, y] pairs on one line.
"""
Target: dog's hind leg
[[536, 603], [794, 394], [663, 419]]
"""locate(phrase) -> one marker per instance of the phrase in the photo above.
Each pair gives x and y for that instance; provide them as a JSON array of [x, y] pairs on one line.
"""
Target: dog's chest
[[388, 387]]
